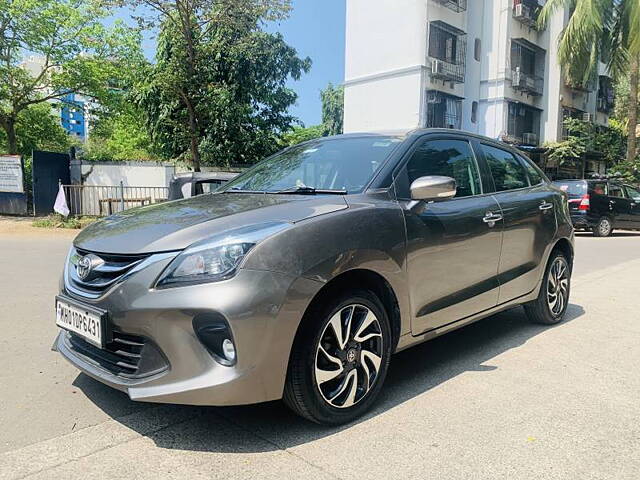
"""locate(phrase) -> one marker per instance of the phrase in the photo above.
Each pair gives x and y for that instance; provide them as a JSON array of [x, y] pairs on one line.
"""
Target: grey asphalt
[[499, 399]]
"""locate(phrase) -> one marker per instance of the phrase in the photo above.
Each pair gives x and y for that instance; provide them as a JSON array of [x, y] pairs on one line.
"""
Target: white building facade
[[477, 65]]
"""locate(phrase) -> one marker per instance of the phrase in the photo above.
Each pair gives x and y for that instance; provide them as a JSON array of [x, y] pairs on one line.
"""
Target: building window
[[443, 110], [474, 112], [447, 49], [523, 124], [455, 5], [526, 12], [527, 67], [477, 49], [606, 94]]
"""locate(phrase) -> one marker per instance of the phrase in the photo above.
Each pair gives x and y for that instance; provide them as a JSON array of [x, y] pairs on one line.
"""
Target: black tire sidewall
[[306, 346]]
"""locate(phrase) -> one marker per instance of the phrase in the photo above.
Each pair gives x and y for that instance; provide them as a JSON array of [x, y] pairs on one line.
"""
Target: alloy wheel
[[558, 286], [605, 227], [348, 356]]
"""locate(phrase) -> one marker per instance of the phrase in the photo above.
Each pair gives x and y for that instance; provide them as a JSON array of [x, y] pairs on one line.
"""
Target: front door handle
[[491, 218], [545, 206]]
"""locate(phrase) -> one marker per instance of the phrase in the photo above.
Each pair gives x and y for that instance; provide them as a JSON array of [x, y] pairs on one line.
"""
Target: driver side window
[[448, 158]]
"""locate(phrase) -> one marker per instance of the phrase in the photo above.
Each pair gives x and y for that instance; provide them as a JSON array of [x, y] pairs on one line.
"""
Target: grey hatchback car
[[301, 277]]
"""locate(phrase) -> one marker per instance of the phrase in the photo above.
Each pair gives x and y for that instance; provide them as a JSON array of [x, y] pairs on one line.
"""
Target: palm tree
[[601, 29]]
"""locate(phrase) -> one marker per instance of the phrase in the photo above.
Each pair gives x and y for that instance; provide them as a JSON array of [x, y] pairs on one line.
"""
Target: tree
[[332, 109], [601, 29], [38, 128], [75, 53], [218, 90]]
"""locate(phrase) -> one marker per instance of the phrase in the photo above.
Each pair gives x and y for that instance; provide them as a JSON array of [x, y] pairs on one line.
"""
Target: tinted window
[[535, 177], [599, 188], [572, 188], [616, 191], [634, 194], [449, 158], [508, 173], [346, 163]]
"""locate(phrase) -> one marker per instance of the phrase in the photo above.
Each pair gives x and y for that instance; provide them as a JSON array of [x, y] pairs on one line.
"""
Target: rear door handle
[[546, 206], [491, 218]]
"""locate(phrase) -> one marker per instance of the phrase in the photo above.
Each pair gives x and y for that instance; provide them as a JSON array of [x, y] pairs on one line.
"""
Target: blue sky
[[316, 29]]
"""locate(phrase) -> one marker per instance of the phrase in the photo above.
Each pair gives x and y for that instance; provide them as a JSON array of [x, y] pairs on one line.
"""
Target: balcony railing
[[447, 52], [443, 111], [455, 5], [527, 83], [526, 12]]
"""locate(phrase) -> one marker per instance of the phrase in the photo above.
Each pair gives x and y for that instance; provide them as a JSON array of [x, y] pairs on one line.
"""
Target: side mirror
[[433, 187]]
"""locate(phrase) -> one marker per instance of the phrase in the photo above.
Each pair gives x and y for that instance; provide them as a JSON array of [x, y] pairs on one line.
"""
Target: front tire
[[552, 302], [339, 359], [603, 228]]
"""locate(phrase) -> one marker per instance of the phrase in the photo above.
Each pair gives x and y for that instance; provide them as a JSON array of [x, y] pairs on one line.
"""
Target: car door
[[528, 203], [453, 245], [634, 209], [620, 205]]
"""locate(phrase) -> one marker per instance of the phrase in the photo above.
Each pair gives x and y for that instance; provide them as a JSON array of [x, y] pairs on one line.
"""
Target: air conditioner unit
[[588, 117], [530, 138], [437, 67]]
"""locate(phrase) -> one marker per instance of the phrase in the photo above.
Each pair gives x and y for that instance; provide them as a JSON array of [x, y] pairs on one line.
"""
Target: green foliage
[[332, 109], [218, 93], [586, 137], [302, 134], [629, 171], [77, 54], [58, 221], [120, 136], [38, 128]]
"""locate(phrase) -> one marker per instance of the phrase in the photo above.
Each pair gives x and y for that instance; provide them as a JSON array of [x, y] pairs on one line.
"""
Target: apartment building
[[478, 65]]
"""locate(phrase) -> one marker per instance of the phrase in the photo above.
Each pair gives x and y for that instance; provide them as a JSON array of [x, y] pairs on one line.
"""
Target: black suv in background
[[602, 205]]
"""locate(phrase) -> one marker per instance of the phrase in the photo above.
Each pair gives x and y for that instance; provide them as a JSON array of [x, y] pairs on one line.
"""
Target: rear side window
[[449, 158], [616, 191], [535, 177], [508, 173], [600, 188]]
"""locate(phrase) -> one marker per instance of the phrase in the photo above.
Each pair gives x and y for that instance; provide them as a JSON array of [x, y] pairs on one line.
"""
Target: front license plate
[[83, 321]]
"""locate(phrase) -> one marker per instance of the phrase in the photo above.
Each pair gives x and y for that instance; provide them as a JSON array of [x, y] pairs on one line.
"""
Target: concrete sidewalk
[[501, 398]]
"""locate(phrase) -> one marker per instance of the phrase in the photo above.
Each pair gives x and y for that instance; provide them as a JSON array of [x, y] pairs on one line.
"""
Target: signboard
[[11, 174]]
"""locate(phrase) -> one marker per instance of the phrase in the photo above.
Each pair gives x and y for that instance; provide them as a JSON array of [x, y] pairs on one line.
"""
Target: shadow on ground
[[271, 426]]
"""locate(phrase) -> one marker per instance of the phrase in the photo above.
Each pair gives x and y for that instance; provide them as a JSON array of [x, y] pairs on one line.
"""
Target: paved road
[[499, 399]]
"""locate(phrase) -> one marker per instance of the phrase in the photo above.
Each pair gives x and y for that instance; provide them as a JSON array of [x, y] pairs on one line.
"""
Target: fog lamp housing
[[212, 330]]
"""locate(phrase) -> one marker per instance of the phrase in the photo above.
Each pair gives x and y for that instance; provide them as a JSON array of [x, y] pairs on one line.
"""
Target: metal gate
[[49, 170]]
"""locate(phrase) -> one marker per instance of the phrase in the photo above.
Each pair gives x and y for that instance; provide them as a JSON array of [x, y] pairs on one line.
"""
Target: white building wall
[[388, 68]]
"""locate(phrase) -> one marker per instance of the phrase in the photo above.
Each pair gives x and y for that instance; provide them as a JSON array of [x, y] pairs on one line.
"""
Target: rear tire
[[552, 302], [334, 377], [603, 228]]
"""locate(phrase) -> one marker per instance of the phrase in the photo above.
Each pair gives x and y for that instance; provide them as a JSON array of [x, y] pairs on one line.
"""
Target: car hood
[[175, 225]]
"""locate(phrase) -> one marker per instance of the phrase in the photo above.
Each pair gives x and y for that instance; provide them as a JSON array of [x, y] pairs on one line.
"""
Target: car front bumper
[[262, 309]]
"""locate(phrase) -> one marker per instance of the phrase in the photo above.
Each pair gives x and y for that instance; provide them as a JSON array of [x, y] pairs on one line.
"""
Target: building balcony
[[523, 125], [606, 95], [455, 5], [527, 83], [526, 12], [443, 110], [447, 52]]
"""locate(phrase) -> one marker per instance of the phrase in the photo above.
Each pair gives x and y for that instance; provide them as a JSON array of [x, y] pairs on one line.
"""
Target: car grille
[[107, 271], [128, 356]]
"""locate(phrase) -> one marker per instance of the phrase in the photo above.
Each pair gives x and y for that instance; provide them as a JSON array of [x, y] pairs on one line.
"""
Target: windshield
[[343, 165]]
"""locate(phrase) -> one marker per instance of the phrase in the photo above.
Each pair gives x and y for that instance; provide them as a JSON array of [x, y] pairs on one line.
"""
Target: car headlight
[[204, 265], [216, 258]]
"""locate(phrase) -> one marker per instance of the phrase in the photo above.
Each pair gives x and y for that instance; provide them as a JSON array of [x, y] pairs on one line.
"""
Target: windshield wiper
[[240, 190], [304, 190]]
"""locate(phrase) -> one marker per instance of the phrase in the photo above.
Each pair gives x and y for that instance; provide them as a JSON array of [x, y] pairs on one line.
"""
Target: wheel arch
[[370, 280]]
